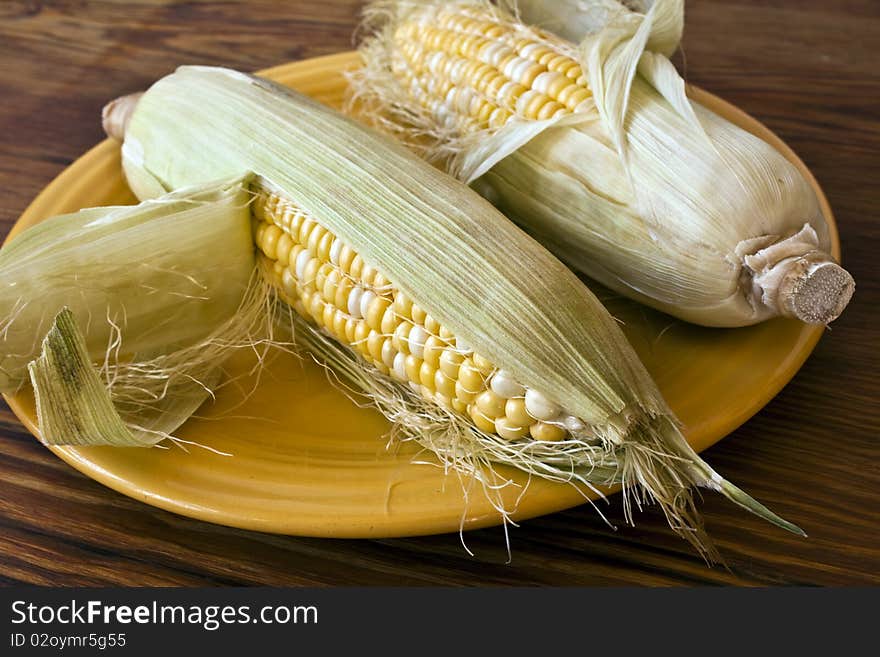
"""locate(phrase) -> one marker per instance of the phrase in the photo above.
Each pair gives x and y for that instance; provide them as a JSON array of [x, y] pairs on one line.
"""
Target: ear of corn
[[470, 336], [327, 282], [597, 152], [429, 234]]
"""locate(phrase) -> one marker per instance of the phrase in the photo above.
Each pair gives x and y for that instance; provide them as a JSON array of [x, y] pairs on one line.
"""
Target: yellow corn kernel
[[361, 332], [331, 282], [426, 376], [546, 432], [305, 229], [339, 322], [490, 404], [316, 307], [376, 312], [433, 349], [515, 412], [346, 255], [401, 337], [483, 364], [375, 342], [432, 325], [350, 326], [283, 247], [444, 385], [294, 256], [315, 237], [343, 290], [268, 240], [450, 362], [482, 422], [402, 305], [470, 378], [328, 315], [356, 267], [418, 314], [509, 430], [390, 320], [324, 271]]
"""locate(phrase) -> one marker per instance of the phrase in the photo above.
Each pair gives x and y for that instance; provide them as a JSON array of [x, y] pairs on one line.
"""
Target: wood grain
[[806, 68]]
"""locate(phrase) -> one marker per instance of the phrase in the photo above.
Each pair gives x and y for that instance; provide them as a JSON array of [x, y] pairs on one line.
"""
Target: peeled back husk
[[644, 190], [121, 317], [449, 251]]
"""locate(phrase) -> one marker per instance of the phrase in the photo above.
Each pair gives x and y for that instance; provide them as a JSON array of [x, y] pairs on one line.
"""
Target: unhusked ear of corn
[[469, 336], [596, 150]]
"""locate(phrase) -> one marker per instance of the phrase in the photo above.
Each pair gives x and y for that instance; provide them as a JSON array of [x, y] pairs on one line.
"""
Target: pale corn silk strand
[[465, 265], [654, 196]]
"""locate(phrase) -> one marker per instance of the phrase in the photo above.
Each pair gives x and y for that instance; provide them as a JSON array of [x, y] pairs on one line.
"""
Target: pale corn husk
[[457, 257], [573, 19], [648, 192], [138, 312]]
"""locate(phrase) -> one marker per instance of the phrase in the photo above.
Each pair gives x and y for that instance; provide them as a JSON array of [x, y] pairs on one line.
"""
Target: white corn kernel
[[335, 248], [399, 366], [539, 407], [354, 302], [504, 385], [417, 338], [366, 300], [573, 424], [388, 353], [302, 261]]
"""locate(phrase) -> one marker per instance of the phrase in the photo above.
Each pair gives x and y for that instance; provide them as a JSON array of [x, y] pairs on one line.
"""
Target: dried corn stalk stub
[[449, 305], [598, 153]]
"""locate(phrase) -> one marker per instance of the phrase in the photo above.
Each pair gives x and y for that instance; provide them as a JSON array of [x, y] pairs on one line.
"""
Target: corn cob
[[467, 333], [597, 153]]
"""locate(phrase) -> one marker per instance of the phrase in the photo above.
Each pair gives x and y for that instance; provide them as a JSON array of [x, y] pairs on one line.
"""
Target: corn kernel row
[[479, 73], [329, 284]]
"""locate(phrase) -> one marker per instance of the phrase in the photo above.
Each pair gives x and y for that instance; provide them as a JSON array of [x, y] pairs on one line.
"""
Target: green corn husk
[[75, 406], [647, 192], [137, 310], [453, 254]]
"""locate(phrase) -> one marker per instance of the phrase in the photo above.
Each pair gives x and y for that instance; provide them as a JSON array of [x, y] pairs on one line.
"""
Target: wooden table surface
[[807, 68]]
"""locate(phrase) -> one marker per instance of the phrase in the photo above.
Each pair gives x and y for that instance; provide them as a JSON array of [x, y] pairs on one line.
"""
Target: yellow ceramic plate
[[304, 460]]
